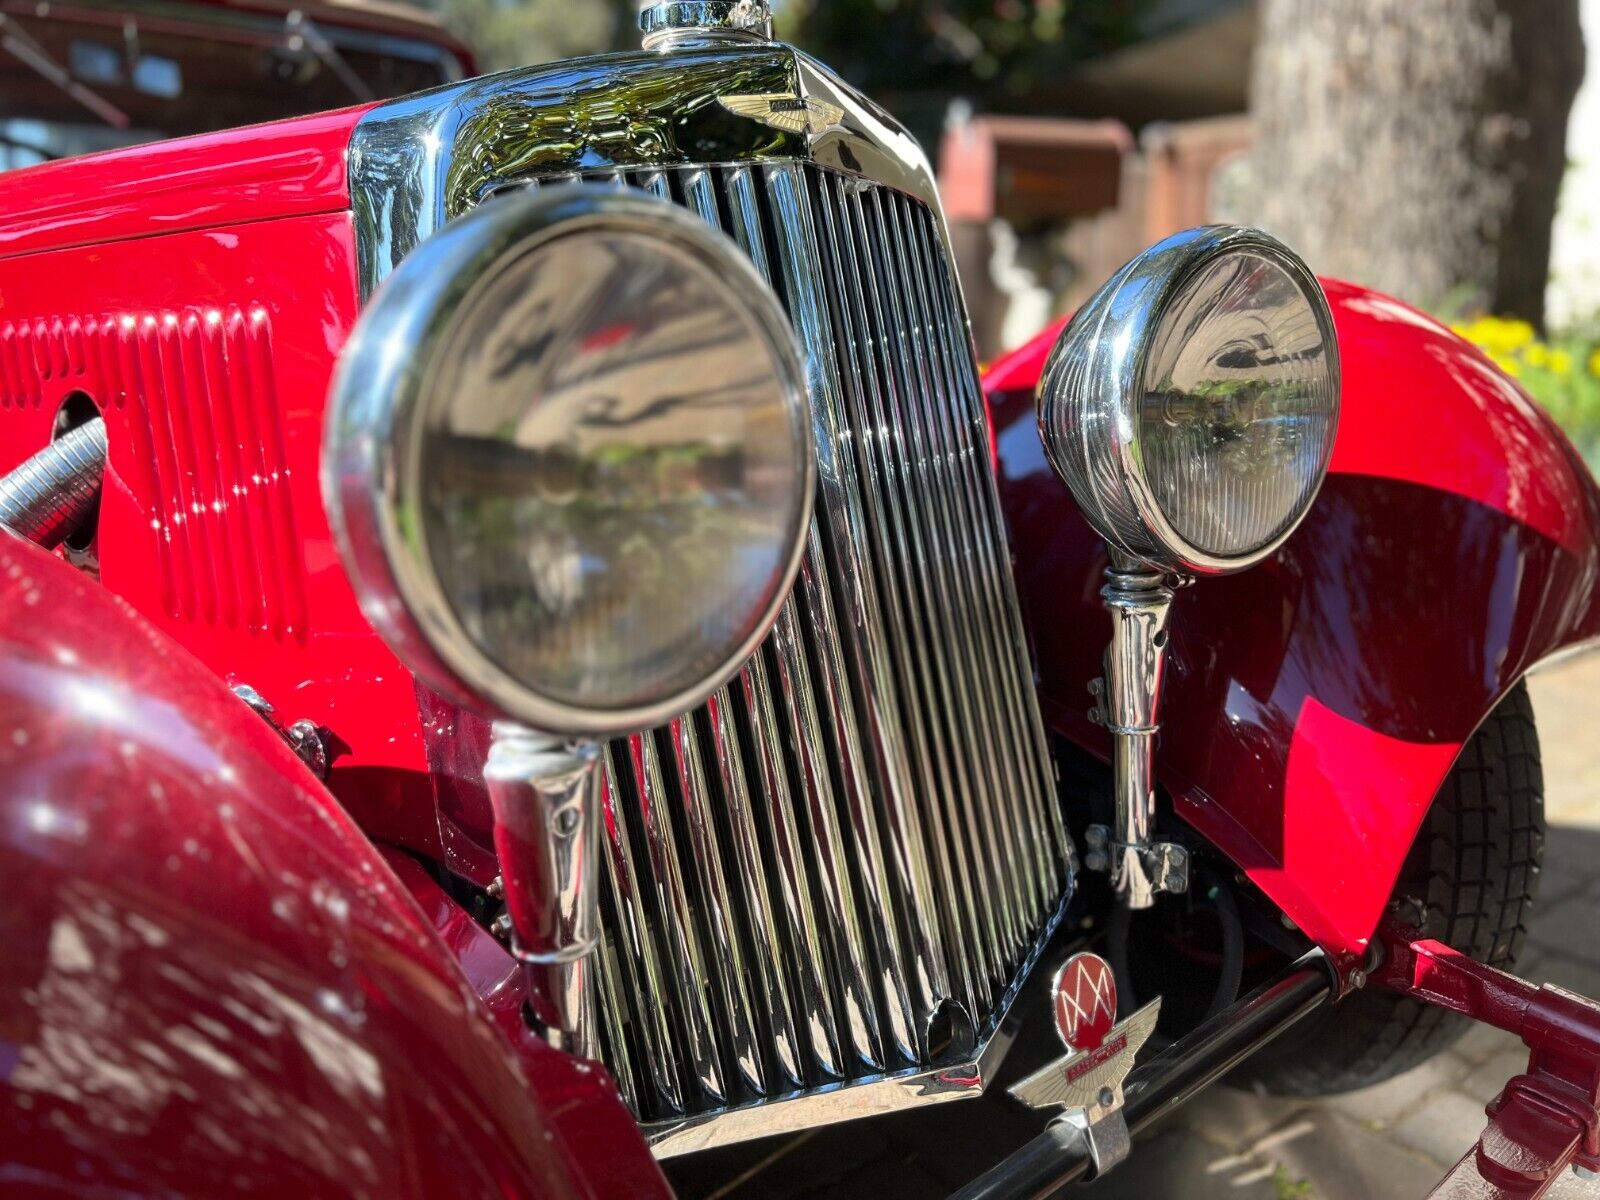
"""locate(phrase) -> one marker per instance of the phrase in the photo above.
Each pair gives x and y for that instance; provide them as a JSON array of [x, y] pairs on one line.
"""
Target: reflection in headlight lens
[[1239, 404], [612, 468]]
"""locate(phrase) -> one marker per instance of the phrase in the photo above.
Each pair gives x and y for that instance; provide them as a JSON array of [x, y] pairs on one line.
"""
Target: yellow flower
[[1594, 364], [1560, 362], [1506, 363], [1536, 354], [1517, 334], [1498, 335]]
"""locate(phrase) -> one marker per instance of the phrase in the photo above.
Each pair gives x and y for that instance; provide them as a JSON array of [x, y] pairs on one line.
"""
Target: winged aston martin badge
[[1087, 1083], [786, 111]]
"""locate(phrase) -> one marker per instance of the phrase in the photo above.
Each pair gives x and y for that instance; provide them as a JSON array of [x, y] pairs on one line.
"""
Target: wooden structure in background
[[1087, 185]]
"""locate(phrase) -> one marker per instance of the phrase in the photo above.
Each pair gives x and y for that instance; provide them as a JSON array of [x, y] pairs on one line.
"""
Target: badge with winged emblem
[[1087, 1083], [787, 111]]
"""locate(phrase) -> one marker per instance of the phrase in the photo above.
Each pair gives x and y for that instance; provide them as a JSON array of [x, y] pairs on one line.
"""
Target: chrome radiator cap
[[671, 24]]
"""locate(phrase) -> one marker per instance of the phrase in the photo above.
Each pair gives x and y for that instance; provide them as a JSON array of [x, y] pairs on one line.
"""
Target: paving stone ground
[[1395, 1140]]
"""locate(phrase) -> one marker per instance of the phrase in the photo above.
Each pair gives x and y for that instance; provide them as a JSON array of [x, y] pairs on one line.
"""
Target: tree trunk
[[1418, 145]]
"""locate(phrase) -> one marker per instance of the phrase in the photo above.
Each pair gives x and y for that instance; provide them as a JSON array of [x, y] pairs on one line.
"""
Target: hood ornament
[[787, 111], [673, 22], [1087, 1083]]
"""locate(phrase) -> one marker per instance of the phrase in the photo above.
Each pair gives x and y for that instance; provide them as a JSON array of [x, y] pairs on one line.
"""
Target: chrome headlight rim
[[373, 442], [1109, 341]]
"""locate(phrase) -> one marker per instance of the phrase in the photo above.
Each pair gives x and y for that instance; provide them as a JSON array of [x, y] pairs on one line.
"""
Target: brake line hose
[[1230, 975], [48, 496]]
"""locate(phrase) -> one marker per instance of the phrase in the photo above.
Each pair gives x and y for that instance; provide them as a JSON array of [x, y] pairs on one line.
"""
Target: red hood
[[286, 168]]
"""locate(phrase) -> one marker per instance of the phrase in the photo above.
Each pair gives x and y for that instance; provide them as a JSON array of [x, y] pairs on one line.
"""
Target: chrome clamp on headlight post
[[569, 466], [1139, 600], [546, 798], [1190, 406]]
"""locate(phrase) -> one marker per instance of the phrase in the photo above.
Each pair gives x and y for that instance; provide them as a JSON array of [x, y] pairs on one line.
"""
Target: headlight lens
[[598, 454], [1191, 404]]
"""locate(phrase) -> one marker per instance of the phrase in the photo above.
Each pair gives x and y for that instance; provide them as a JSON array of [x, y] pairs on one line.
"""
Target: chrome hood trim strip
[[417, 162]]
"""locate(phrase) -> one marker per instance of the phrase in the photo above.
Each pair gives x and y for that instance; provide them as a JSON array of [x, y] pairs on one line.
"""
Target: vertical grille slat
[[768, 953], [885, 459], [686, 958], [956, 354], [861, 829], [632, 947], [701, 195], [612, 1000], [745, 212], [615, 976], [945, 502], [725, 962], [654, 182], [794, 876]]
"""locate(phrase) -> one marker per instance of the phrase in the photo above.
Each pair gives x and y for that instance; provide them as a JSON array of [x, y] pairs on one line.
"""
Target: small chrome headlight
[[569, 459], [1192, 402]]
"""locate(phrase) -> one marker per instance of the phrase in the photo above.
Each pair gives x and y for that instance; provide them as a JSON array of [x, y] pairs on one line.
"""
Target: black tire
[[1474, 870]]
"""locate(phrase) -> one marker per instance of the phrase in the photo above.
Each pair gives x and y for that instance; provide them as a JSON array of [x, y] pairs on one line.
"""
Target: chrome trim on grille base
[[965, 1079]]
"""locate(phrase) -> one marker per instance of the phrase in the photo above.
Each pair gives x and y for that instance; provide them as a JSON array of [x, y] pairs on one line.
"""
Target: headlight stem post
[[1138, 599], [546, 797]]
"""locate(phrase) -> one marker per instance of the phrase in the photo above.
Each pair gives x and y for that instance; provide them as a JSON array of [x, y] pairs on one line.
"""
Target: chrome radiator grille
[[837, 868]]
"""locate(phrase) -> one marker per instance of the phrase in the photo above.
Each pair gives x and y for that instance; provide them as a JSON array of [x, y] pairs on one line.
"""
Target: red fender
[[1316, 703], [211, 983]]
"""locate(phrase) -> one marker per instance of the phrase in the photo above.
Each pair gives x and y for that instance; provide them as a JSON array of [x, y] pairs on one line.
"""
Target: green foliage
[[1286, 1187], [1561, 373], [912, 56], [516, 33], [987, 50]]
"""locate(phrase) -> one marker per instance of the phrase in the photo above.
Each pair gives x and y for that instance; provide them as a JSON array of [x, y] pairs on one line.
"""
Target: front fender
[[210, 982], [1316, 703]]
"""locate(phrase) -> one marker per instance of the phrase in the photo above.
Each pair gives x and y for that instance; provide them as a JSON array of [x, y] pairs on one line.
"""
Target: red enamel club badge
[[1100, 1052], [1087, 1083], [1086, 1001]]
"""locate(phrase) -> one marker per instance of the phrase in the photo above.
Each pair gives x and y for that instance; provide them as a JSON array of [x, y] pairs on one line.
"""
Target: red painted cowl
[[210, 982]]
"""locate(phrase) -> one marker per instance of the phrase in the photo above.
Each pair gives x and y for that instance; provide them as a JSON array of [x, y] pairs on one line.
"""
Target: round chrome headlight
[[569, 459], [1192, 402]]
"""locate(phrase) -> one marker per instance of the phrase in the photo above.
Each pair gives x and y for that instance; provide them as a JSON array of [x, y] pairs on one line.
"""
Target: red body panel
[[209, 353], [1315, 703], [212, 984], [286, 168], [200, 291]]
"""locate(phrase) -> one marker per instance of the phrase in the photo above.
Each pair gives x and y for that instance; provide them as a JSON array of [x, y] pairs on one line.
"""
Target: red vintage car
[[531, 662]]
